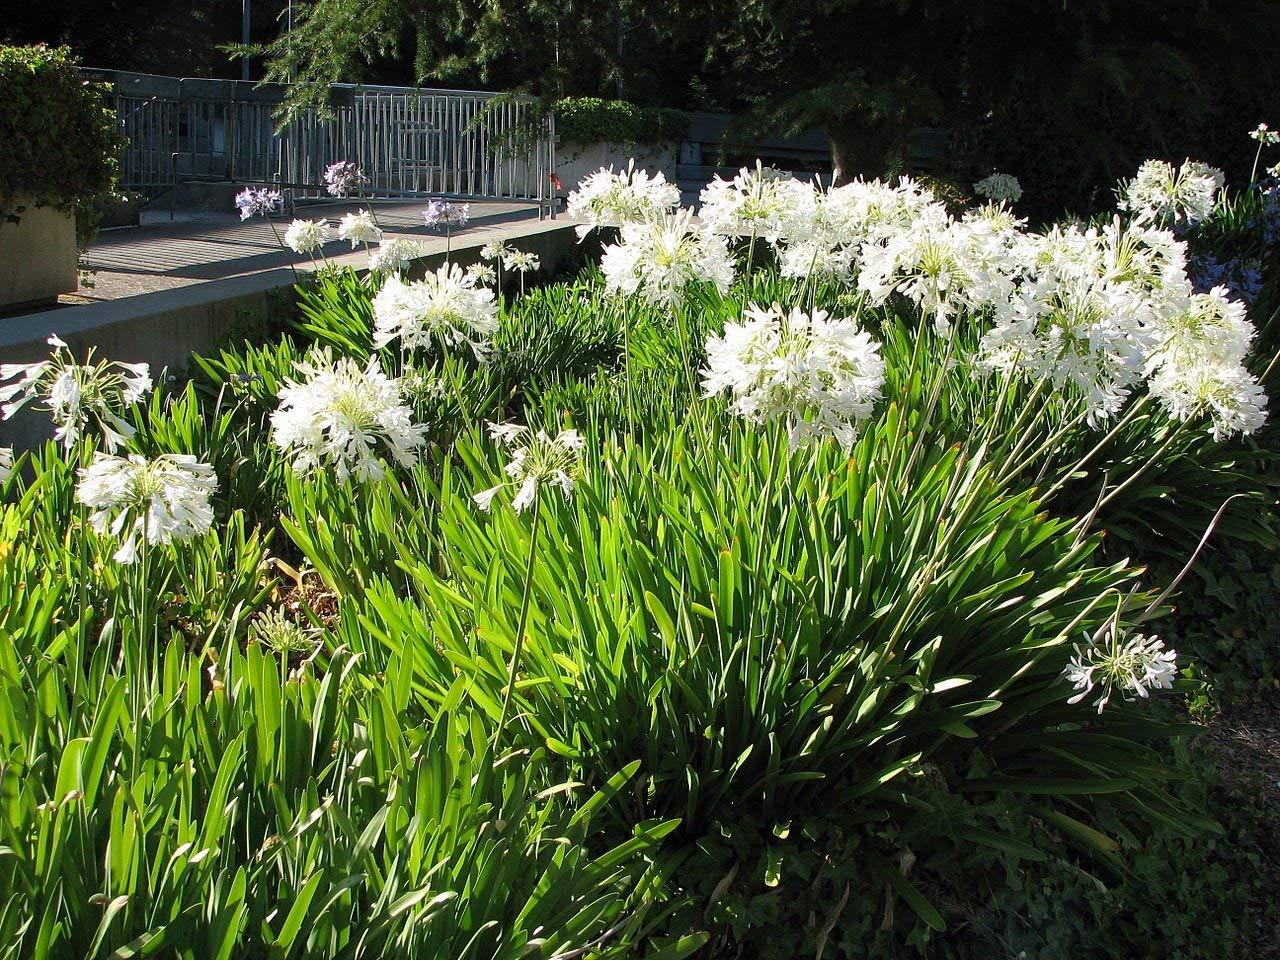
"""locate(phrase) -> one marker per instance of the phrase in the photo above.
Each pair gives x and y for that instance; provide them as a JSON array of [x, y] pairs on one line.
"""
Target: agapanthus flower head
[[77, 394], [999, 187], [1075, 334], [763, 202], [395, 255], [306, 236], [359, 227], [341, 416], [1132, 665], [443, 213], [255, 201], [659, 258], [821, 376], [1224, 391], [608, 199], [1265, 135], [341, 178], [482, 273], [6, 464], [159, 501], [521, 261], [495, 250], [281, 633], [1175, 196], [445, 308], [537, 460], [943, 266], [1211, 326]]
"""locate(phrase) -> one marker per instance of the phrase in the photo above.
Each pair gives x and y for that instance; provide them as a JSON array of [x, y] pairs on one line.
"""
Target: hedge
[[593, 120], [61, 142]]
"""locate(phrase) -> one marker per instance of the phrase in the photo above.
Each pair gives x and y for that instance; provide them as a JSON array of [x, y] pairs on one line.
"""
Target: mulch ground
[[1246, 740]]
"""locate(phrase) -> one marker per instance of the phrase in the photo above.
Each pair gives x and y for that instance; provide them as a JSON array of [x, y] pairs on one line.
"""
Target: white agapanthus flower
[[1133, 666], [495, 250], [340, 415], [944, 266], [6, 464], [1163, 193], [1265, 135], [999, 187], [160, 501], [658, 259], [828, 232], [1074, 333], [395, 255], [871, 211], [608, 199], [359, 228], [820, 376], [1211, 326], [482, 273], [1090, 309], [1226, 392], [537, 460], [77, 395], [521, 261], [445, 308], [306, 236], [763, 202]]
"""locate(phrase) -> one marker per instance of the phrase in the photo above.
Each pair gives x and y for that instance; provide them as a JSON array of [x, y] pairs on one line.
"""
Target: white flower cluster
[[659, 258], [1169, 195], [359, 227], [608, 199], [161, 500], [6, 464], [763, 202], [76, 395], [445, 308], [482, 273], [537, 459], [999, 188], [395, 255], [1088, 310], [1133, 665], [306, 236], [819, 375], [521, 261], [1265, 135], [344, 416], [1197, 365]]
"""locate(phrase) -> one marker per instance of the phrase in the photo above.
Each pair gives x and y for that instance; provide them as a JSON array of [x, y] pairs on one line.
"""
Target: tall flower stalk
[[537, 460]]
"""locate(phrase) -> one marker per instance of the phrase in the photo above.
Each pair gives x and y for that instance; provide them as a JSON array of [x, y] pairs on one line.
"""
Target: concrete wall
[[575, 160], [37, 256], [165, 328]]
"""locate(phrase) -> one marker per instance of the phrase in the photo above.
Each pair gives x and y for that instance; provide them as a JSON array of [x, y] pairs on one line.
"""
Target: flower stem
[[521, 622]]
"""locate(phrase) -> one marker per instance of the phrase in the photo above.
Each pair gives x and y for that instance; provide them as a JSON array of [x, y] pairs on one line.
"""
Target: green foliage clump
[[593, 120], [61, 143]]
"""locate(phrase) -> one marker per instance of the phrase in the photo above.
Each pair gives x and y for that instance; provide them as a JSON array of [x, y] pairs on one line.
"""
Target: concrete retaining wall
[[37, 256]]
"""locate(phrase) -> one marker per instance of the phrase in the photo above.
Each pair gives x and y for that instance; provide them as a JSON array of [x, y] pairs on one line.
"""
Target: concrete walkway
[[129, 261], [166, 291]]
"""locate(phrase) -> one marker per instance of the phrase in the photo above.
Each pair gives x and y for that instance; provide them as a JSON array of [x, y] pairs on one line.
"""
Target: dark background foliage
[[1067, 96]]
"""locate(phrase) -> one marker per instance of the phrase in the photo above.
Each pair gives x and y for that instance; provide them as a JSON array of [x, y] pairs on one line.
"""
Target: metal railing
[[409, 141]]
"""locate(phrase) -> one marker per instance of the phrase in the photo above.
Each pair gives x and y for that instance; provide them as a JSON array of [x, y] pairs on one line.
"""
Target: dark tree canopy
[[1068, 94]]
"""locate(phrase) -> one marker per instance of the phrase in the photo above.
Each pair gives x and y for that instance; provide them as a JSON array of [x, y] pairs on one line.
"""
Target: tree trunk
[[861, 146]]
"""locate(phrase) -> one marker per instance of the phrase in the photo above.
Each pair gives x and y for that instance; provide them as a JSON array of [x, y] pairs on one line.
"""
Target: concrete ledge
[[164, 328]]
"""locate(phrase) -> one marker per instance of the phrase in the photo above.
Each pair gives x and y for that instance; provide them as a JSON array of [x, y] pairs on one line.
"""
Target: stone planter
[[38, 257], [575, 160]]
